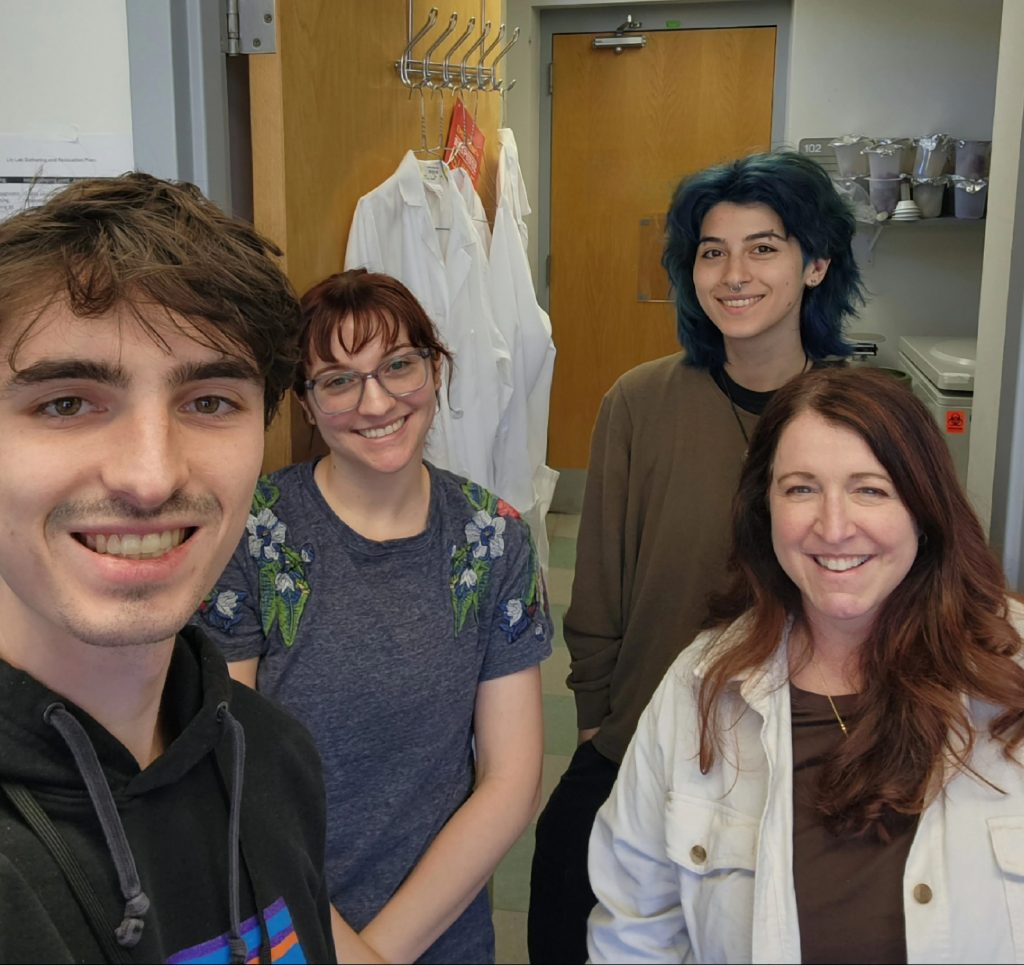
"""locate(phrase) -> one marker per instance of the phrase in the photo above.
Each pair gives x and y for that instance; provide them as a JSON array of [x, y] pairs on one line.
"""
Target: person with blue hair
[[759, 253]]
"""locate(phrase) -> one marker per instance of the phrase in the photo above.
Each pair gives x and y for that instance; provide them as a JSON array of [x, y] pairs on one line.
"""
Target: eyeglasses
[[400, 375]]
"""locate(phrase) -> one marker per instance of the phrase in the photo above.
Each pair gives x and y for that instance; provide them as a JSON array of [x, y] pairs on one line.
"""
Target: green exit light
[[673, 24]]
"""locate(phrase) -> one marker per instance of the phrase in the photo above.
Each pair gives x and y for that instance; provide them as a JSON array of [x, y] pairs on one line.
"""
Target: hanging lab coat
[[521, 474], [477, 214], [416, 227]]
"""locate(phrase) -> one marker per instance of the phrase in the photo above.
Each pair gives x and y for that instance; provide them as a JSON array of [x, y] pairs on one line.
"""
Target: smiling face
[[750, 277], [839, 528], [383, 434], [126, 474]]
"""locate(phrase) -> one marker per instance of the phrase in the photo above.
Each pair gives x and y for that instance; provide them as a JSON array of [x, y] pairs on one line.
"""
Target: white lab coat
[[475, 207], [521, 474], [416, 227], [691, 867]]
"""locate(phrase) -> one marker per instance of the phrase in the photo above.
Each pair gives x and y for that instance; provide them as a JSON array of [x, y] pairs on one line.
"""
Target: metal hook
[[495, 83], [481, 83], [425, 63], [446, 63], [423, 120], [440, 123], [403, 61], [479, 42]]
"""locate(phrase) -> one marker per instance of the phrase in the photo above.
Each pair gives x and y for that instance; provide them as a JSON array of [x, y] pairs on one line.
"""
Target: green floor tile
[[553, 672], [560, 731], [563, 553], [512, 876], [557, 616]]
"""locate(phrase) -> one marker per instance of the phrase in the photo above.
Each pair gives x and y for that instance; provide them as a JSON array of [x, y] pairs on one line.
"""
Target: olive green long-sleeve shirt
[[665, 459]]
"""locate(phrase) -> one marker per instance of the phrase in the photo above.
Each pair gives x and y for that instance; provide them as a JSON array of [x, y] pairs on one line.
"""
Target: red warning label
[[956, 421]]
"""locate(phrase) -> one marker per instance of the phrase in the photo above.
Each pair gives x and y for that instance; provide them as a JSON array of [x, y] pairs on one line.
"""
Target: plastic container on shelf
[[932, 155], [929, 194], [909, 156], [849, 151], [855, 193], [972, 158], [884, 194], [908, 145], [969, 197], [884, 159]]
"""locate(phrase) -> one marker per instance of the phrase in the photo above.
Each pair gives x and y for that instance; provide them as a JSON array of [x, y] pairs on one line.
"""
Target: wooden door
[[624, 129]]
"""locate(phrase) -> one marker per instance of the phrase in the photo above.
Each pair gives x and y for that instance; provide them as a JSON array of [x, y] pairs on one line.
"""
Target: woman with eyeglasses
[[399, 612]]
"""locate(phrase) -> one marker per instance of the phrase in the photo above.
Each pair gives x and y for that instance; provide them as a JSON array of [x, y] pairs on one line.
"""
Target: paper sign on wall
[[32, 167]]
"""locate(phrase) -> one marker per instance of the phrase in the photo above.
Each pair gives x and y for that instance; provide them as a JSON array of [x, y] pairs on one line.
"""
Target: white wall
[[64, 68], [893, 67], [996, 468], [914, 67]]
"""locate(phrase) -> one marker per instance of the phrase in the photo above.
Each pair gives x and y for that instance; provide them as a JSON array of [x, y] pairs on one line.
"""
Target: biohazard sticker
[[956, 421]]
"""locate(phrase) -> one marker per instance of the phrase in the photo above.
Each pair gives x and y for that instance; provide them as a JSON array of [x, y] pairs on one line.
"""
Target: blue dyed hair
[[799, 191]]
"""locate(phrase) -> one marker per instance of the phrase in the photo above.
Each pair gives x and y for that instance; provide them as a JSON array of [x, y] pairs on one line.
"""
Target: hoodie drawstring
[[129, 931], [136, 905], [236, 944]]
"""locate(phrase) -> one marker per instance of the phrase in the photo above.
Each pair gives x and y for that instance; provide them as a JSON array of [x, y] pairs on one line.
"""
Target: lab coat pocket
[[1007, 836], [714, 849]]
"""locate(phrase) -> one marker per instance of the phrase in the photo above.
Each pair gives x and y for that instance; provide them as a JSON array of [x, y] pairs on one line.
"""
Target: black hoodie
[[177, 884]]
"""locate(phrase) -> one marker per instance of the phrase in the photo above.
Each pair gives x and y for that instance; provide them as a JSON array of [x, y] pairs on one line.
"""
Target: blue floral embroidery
[[283, 584], [485, 534], [514, 619], [221, 609], [466, 583], [471, 565], [266, 534]]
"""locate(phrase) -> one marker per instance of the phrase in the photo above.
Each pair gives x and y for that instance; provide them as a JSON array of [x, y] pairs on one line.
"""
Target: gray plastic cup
[[969, 197], [850, 159], [884, 194], [933, 153], [928, 193], [972, 158]]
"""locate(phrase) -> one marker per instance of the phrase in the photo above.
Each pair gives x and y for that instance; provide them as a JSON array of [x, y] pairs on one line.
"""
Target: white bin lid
[[947, 362]]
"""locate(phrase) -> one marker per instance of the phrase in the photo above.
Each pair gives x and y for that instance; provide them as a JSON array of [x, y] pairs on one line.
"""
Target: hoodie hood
[[79, 757], [35, 754]]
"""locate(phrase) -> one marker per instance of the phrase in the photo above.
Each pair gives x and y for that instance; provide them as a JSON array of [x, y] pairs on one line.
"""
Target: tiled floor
[[512, 878]]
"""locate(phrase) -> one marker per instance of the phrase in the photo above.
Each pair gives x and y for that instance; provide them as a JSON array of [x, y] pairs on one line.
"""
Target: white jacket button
[[922, 894], [698, 855]]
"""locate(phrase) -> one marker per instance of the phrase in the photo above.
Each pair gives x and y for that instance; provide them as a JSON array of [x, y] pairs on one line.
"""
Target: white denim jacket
[[699, 868]]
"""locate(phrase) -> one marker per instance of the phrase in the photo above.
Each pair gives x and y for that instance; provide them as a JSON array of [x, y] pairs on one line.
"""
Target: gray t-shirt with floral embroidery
[[378, 648]]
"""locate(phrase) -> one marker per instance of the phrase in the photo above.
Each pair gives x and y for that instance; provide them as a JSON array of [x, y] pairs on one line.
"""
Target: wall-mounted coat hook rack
[[424, 72]]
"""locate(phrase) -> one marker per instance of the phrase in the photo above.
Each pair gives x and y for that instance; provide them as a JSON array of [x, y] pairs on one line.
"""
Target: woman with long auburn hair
[[833, 771]]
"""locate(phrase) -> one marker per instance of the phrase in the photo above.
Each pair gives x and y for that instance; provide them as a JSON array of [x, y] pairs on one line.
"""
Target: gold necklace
[[832, 703]]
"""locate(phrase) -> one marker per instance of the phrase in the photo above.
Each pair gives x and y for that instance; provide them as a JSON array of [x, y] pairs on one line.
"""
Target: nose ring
[[736, 288]]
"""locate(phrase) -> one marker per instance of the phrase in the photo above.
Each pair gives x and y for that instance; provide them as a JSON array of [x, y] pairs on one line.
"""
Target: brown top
[[849, 892], [665, 458]]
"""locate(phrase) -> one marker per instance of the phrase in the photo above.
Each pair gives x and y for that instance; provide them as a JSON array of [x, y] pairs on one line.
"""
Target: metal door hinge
[[551, 77], [249, 27], [547, 271]]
